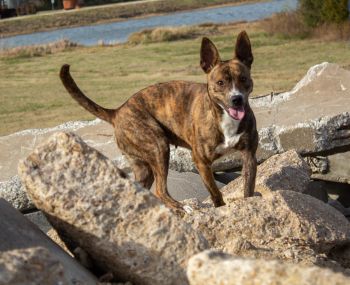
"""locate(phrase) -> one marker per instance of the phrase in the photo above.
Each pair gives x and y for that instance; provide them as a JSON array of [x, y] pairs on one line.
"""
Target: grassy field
[[32, 96], [100, 14]]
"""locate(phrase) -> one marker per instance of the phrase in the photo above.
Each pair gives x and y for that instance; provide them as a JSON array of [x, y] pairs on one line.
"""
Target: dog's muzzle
[[236, 100], [236, 110]]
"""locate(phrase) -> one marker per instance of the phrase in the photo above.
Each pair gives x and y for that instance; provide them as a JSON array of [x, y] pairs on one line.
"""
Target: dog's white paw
[[188, 209]]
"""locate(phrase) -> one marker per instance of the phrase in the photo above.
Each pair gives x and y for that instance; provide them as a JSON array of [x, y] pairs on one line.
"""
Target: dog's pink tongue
[[237, 113]]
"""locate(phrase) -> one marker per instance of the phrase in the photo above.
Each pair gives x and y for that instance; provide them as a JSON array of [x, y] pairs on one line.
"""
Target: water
[[119, 31]]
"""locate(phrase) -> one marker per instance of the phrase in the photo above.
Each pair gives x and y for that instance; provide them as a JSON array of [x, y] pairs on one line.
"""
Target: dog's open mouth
[[236, 113]]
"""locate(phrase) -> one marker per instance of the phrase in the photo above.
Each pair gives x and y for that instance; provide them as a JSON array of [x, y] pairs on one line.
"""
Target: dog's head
[[229, 82]]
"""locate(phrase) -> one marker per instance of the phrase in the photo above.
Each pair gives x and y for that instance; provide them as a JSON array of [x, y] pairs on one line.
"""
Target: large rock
[[284, 225], [216, 268], [30, 266], [124, 228], [286, 171], [18, 233]]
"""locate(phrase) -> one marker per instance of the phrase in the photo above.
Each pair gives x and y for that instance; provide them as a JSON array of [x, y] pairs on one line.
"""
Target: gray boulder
[[217, 268], [124, 228]]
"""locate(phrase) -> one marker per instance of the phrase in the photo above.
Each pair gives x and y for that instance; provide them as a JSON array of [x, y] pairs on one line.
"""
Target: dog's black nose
[[237, 101]]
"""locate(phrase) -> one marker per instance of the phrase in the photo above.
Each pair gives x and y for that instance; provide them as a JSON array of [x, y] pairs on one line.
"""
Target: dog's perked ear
[[209, 55], [243, 50]]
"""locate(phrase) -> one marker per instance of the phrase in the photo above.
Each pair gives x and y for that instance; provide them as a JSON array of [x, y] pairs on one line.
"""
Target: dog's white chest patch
[[229, 127]]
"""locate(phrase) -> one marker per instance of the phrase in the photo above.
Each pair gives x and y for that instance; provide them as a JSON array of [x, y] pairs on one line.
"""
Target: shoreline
[[36, 18]]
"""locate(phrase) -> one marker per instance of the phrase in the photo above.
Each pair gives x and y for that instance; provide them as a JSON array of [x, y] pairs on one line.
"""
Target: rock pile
[[124, 228]]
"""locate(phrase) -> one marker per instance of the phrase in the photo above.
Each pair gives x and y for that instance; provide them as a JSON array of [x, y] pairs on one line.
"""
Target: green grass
[[32, 95]]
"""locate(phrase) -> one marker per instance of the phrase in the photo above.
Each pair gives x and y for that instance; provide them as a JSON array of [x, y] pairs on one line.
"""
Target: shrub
[[332, 32], [321, 19], [317, 12], [167, 34], [38, 50], [286, 25]]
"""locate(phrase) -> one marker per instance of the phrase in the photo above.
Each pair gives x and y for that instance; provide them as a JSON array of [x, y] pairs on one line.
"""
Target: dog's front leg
[[249, 172], [206, 173]]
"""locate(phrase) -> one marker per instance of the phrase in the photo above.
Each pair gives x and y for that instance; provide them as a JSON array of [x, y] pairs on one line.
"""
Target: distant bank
[[118, 32], [47, 21]]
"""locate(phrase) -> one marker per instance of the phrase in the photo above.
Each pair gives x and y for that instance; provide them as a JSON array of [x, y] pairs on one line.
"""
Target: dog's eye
[[242, 79], [220, 83]]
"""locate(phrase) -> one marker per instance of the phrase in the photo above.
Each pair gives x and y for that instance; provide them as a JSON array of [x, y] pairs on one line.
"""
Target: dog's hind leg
[[206, 173], [160, 171], [145, 143]]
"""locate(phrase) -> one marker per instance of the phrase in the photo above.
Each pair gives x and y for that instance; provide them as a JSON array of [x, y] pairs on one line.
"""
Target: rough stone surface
[[17, 232], [337, 205], [338, 168], [52, 234], [318, 164], [181, 186], [124, 228], [284, 225], [39, 219], [216, 268], [286, 171], [30, 266], [318, 189], [13, 192], [181, 160]]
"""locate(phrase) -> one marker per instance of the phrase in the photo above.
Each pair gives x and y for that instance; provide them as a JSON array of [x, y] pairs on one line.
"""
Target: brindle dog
[[210, 119]]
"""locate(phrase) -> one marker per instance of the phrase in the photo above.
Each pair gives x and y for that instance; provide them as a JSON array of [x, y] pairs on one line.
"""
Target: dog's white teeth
[[188, 209]]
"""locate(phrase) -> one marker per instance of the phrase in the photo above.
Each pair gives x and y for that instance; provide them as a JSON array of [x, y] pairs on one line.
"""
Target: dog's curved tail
[[78, 95]]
